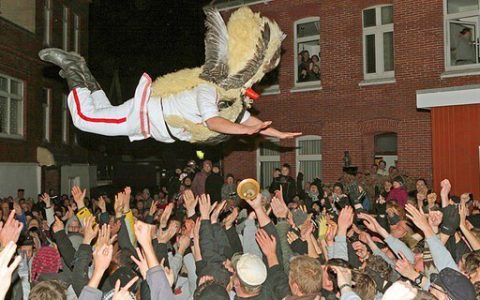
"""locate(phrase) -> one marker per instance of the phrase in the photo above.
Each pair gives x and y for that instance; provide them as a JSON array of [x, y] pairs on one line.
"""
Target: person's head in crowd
[[315, 59], [373, 169], [178, 171], [211, 290], [466, 197], [216, 169], [338, 189], [466, 33], [26, 246], [365, 286], [140, 205], [387, 185], [382, 165], [276, 173], [285, 170], [470, 265], [20, 193], [314, 189], [305, 276], [392, 171], [74, 225], [51, 290], [230, 179], [34, 222], [146, 194], [187, 182], [449, 284], [305, 56], [421, 185], [207, 166], [249, 276]]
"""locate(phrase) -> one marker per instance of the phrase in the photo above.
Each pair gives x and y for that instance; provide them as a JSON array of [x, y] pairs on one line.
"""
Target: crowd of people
[[371, 235], [308, 66]]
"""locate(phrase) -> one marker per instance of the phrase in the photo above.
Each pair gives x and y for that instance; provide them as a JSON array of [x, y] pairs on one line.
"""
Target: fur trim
[[177, 82]]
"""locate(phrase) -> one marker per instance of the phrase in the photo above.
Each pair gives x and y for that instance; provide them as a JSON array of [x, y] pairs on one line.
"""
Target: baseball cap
[[455, 284], [251, 269]]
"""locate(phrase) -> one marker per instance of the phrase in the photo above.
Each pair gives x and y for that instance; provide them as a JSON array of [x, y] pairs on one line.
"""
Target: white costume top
[[196, 105]]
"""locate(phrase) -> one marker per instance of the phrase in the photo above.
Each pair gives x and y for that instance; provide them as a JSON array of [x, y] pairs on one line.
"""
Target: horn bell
[[248, 189]]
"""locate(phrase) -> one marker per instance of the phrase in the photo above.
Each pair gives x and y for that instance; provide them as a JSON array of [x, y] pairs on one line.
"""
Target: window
[[462, 23], [76, 33], [309, 156], [268, 158], [11, 107], [46, 107], [47, 20], [19, 12], [307, 51], [66, 28], [386, 148], [378, 51], [64, 120]]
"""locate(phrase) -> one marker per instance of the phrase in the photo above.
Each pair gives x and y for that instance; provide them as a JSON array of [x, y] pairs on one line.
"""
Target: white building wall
[[20, 175]]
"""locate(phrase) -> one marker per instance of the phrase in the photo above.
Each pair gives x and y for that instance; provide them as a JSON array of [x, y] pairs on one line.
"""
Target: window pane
[[462, 47], [387, 14], [15, 87], [370, 53], [15, 116], [309, 147], [308, 29], [308, 61], [386, 143], [3, 84], [311, 169], [369, 17], [3, 115], [388, 60], [456, 6]]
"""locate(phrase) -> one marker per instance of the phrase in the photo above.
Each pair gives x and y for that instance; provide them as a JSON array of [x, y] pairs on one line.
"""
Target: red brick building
[[361, 95], [35, 129]]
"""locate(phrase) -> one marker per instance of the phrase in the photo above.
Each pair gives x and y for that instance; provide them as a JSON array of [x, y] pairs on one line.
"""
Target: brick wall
[[344, 114], [19, 59]]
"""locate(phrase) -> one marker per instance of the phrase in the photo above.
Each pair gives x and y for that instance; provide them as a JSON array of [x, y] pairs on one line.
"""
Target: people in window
[[465, 51]]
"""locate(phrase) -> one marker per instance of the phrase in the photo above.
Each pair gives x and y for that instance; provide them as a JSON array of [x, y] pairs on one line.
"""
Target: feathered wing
[[239, 79], [215, 68]]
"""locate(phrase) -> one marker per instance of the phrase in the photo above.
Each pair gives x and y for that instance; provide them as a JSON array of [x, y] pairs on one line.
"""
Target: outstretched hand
[[79, 196], [6, 269]]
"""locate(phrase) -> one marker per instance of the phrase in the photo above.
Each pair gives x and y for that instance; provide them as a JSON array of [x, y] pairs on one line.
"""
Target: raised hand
[[331, 232], [404, 268], [345, 220], [104, 236], [372, 224], [217, 211], [205, 207], [57, 225], [123, 293], [102, 256], [169, 273], [256, 203], [102, 204], [183, 244], [10, 231], [163, 236], [127, 192], [231, 218], [91, 230], [118, 205], [6, 269], [268, 245], [189, 202], [46, 199], [79, 196], [418, 218], [291, 237], [141, 262], [166, 215], [143, 232], [279, 208], [153, 208]]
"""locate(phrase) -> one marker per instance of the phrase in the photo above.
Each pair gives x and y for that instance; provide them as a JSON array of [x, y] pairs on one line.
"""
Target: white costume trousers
[[92, 112]]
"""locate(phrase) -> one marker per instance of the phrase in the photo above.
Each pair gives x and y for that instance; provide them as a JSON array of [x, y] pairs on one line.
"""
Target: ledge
[[460, 73], [306, 88], [12, 137], [273, 90], [379, 81]]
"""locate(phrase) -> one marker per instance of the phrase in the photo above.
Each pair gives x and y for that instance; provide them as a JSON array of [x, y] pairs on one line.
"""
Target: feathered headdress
[[237, 55]]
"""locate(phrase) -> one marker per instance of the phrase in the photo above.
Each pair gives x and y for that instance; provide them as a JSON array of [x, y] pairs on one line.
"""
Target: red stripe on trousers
[[94, 120]]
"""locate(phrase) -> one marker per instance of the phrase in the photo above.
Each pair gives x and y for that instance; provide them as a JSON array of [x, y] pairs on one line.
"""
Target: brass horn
[[248, 189]]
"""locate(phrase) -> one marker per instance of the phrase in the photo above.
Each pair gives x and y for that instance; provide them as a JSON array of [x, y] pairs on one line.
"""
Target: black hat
[[455, 284]]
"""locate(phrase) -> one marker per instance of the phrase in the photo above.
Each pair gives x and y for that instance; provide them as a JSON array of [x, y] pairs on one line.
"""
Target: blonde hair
[[306, 272]]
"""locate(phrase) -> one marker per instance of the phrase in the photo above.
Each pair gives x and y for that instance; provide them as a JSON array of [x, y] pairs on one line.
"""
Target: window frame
[[307, 157], [65, 129], [378, 31], [20, 98], [66, 28], [447, 18], [76, 33], [47, 134], [265, 158], [47, 19], [296, 40]]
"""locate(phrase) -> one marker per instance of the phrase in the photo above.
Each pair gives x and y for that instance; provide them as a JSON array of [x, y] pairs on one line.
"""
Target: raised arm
[[270, 131], [223, 125]]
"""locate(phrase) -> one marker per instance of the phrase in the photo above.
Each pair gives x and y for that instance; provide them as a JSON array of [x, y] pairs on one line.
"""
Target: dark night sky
[[136, 36]]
